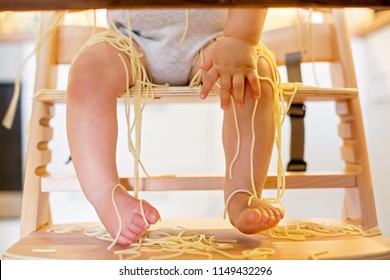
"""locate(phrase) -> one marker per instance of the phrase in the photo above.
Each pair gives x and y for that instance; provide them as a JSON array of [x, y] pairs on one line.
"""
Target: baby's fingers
[[238, 89], [225, 85], [208, 80], [254, 82], [206, 66]]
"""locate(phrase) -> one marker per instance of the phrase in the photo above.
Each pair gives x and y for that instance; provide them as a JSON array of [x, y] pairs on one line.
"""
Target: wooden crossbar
[[305, 93], [294, 180]]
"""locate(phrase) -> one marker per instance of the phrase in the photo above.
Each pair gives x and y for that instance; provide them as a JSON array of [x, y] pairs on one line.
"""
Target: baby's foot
[[258, 216], [133, 223]]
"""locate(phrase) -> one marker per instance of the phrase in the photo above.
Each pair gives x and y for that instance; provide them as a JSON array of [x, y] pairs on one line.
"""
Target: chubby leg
[[96, 78], [259, 215]]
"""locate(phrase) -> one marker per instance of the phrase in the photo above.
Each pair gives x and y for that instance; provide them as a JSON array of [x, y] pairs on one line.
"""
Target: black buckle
[[297, 110], [296, 165]]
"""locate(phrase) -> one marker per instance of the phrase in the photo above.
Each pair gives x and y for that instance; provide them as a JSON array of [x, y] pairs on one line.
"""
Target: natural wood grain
[[187, 94], [76, 245], [24, 5], [382, 19], [35, 204], [294, 180], [71, 39]]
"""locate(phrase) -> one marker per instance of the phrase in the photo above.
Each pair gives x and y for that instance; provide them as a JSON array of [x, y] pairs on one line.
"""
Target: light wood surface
[[35, 204], [72, 38], [294, 180], [24, 5], [187, 94], [76, 245], [382, 19], [17, 37]]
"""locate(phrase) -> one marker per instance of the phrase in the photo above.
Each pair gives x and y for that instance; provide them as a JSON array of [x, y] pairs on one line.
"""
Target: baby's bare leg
[[96, 78], [259, 215]]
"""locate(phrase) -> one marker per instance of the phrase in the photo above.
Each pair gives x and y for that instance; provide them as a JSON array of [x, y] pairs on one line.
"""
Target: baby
[[228, 40]]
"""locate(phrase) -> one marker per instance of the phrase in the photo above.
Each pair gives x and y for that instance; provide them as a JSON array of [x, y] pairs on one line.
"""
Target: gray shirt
[[158, 33]]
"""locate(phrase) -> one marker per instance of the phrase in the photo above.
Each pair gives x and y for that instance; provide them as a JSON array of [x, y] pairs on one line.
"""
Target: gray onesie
[[158, 33]]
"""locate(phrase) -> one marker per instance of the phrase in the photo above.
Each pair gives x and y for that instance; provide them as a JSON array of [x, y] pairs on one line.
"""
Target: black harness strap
[[297, 113]]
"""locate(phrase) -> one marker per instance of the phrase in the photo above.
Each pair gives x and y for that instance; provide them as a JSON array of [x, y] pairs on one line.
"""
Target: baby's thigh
[[100, 65]]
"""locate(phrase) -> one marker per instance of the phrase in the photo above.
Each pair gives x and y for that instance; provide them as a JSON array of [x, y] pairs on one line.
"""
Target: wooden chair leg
[[35, 204], [359, 203]]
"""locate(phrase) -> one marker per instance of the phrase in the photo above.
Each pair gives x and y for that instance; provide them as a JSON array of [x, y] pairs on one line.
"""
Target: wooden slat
[[32, 5], [382, 19], [70, 41], [297, 39], [293, 181], [187, 94]]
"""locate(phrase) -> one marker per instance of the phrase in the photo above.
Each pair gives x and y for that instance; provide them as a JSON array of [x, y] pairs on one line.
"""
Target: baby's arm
[[234, 58]]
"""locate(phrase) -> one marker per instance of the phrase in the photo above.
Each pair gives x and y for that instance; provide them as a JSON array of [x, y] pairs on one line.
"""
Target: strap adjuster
[[296, 165], [297, 110]]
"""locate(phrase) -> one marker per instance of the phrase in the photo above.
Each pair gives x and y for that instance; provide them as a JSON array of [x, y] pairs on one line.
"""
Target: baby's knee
[[95, 69], [82, 72]]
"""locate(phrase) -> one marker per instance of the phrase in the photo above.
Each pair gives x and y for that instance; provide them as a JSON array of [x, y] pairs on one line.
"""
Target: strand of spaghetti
[[182, 241], [238, 144], [285, 236], [260, 253], [141, 206], [44, 250], [11, 111], [117, 214], [254, 191], [314, 256], [230, 197], [187, 22], [127, 112], [196, 80]]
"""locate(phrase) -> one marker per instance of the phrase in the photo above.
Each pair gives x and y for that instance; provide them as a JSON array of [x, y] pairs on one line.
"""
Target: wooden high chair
[[359, 206]]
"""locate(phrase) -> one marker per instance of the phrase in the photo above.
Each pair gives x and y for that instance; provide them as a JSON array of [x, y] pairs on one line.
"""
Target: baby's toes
[[138, 222], [124, 240], [130, 234], [151, 213], [277, 213], [271, 216], [251, 216]]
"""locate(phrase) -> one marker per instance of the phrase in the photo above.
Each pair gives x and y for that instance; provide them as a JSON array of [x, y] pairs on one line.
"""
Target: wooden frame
[[20, 5]]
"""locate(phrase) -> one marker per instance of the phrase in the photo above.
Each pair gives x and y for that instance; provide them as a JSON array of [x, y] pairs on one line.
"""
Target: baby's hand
[[234, 62]]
